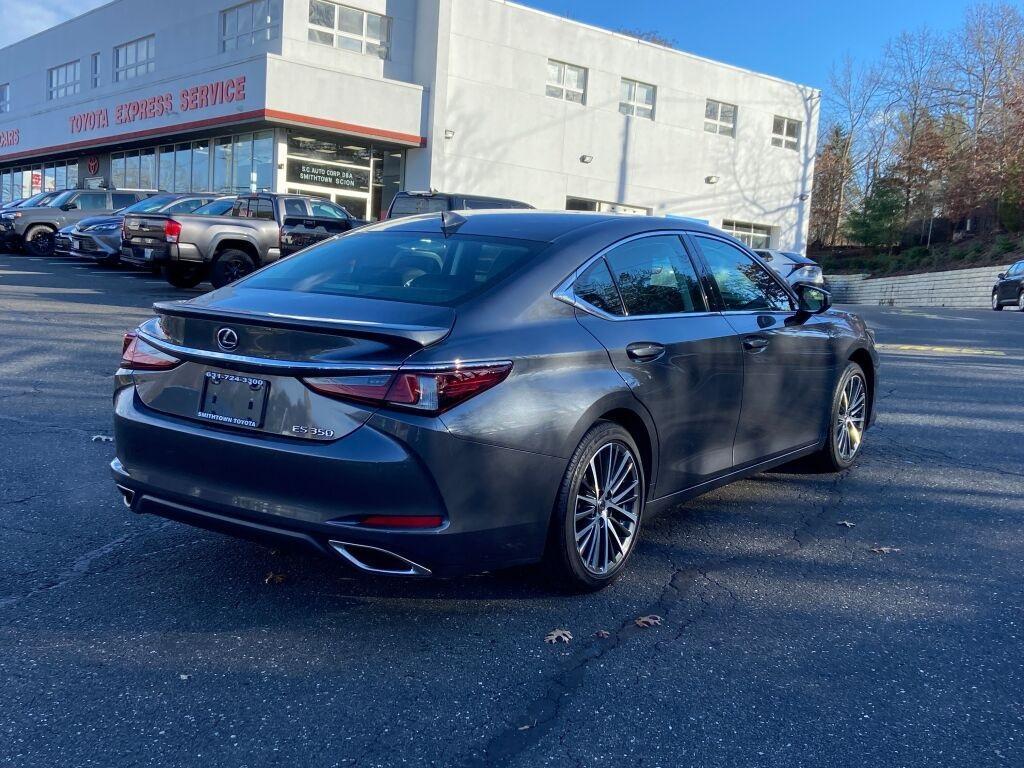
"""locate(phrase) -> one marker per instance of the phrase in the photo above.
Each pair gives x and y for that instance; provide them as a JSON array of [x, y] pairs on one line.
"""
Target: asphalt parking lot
[[787, 639]]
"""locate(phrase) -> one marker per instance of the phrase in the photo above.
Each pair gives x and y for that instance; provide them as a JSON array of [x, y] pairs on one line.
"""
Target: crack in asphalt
[[80, 567]]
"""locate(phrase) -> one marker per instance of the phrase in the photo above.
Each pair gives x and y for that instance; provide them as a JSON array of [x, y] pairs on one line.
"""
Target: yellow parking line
[[965, 351]]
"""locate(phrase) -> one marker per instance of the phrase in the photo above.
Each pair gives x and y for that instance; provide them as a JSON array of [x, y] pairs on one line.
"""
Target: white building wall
[[512, 140]]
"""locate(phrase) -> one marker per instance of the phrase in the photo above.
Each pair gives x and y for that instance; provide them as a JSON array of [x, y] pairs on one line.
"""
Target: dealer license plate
[[235, 400]]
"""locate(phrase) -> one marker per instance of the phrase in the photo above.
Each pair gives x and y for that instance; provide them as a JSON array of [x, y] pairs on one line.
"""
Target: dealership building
[[355, 100]]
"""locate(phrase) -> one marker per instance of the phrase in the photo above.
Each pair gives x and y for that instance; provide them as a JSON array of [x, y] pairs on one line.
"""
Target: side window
[[184, 206], [655, 276], [122, 199], [240, 209], [743, 283], [261, 209], [294, 206], [93, 201], [324, 210], [596, 287]]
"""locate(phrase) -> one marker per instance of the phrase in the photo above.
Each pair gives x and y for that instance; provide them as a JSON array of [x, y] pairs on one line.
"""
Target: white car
[[793, 267]]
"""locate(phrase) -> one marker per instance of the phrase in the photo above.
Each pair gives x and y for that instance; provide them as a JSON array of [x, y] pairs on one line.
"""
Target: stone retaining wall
[[956, 288]]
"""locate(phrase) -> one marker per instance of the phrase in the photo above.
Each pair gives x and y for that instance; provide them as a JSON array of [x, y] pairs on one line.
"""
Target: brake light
[[172, 231], [431, 392], [137, 355]]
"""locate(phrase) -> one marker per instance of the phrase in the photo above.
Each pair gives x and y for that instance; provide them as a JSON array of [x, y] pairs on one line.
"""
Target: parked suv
[[99, 237], [414, 203], [1009, 288], [38, 200], [260, 229], [35, 228]]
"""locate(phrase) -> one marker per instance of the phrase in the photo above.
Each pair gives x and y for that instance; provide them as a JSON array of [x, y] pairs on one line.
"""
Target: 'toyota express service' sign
[[189, 99]]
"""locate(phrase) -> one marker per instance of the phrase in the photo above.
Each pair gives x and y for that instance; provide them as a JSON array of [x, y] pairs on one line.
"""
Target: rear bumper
[[496, 502]]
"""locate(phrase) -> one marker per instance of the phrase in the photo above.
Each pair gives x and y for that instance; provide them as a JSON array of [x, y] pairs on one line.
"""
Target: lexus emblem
[[227, 339]]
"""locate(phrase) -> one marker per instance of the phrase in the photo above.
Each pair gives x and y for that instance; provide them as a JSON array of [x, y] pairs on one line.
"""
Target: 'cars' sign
[[10, 138]]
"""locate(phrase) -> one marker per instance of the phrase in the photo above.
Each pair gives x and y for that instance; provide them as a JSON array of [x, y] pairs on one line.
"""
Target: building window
[[135, 59], [248, 24], [94, 78], [349, 28], [720, 118], [566, 81], [5, 97], [786, 133], [752, 235], [64, 80], [637, 99]]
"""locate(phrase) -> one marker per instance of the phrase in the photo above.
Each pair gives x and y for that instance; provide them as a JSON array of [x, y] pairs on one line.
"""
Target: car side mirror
[[1001, 276], [813, 298], [68, 207]]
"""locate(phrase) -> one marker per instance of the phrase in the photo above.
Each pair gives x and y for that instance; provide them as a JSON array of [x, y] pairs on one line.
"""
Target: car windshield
[[410, 205], [60, 199], [150, 204], [400, 266], [215, 208]]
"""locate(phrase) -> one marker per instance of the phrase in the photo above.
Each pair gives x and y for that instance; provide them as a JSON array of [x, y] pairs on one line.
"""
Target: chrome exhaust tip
[[377, 560], [127, 496]]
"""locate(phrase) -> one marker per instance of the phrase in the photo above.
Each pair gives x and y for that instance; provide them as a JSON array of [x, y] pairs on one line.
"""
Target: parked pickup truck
[[260, 229]]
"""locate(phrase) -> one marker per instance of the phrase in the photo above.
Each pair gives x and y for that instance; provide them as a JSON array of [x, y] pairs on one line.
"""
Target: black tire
[[113, 260], [230, 265], [995, 302], [40, 240], [184, 275], [830, 458], [562, 555]]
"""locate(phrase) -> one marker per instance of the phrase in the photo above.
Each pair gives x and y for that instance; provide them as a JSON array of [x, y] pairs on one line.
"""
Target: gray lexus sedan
[[447, 394]]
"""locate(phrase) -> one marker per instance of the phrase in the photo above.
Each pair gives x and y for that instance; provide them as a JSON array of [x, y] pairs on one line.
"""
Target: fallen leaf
[[648, 621], [274, 578], [602, 633], [524, 727], [884, 550], [846, 524], [184, 677], [558, 636], [102, 439]]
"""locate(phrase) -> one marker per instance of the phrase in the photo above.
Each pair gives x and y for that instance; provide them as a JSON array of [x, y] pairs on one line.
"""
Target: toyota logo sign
[[93, 165], [227, 339]]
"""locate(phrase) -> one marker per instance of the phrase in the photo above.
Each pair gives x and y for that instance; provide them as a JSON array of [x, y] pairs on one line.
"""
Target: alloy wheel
[[849, 426], [607, 510], [1020, 302], [995, 301]]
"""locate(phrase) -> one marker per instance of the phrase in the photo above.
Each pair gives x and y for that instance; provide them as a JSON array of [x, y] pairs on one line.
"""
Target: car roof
[[545, 226]]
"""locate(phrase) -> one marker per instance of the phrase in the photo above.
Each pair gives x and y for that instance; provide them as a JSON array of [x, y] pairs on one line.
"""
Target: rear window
[[150, 204], [410, 205], [215, 208], [400, 266]]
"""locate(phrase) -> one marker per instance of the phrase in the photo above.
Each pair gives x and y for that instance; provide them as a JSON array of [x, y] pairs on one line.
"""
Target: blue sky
[[794, 39]]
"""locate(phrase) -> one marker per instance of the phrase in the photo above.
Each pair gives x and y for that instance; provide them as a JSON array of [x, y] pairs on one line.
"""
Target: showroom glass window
[[5, 97], [744, 284], [250, 23], [64, 80], [637, 99], [786, 133], [135, 59], [95, 70], [754, 236], [654, 276], [720, 118], [567, 82], [350, 29]]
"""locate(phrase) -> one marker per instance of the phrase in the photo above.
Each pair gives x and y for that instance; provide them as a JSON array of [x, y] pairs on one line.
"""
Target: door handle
[[754, 343], [644, 351]]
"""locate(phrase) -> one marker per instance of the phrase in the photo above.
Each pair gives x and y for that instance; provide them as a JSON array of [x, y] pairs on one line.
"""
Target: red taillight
[[428, 391], [402, 521], [137, 355], [172, 231]]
